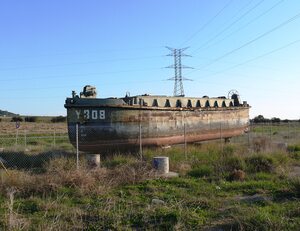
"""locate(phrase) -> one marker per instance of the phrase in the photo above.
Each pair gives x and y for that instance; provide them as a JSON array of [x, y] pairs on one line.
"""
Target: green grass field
[[249, 185]]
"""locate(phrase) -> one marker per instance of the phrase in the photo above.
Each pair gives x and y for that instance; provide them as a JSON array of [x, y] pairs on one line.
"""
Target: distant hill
[[8, 114]]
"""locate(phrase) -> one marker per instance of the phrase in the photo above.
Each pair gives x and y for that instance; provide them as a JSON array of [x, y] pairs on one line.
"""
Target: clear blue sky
[[51, 47]]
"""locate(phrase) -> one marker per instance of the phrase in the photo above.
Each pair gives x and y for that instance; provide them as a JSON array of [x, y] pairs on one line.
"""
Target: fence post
[[271, 131], [25, 135], [17, 135], [25, 138], [221, 135], [184, 134], [249, 130], [77, 147], [54, 137], [288, 131], [140, 141]]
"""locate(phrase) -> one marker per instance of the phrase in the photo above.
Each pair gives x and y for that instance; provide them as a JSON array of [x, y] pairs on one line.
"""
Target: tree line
[[34, 119], [262, 119]]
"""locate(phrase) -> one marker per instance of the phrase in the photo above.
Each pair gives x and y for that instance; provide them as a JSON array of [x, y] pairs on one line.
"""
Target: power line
[[245, 25], [207, 23], [230, 25], [240, 10], [68, 86], [253, 40], [82, 52], [79, 75], [77, 63], [257, 57], [231, 62]]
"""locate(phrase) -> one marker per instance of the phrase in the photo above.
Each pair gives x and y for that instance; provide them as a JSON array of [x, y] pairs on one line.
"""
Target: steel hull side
[[115, 145], [120, 130]]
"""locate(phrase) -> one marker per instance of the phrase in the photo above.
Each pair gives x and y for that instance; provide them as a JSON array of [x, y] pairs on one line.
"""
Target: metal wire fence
[[276, 133], [29, 145], [29, 134]]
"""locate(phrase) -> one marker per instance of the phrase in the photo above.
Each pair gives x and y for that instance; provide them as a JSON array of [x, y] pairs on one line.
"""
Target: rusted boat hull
[[105, 129]]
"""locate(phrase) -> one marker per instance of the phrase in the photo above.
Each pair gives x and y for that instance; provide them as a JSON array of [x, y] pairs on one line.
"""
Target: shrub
[[29, 206], [237, 175], [31, 119], [228, 150], [232, 163], [259, 163], [201, 171], [293, 148], [59, 119], [296, 155], [295, 151], [295, 185], [16, 119]]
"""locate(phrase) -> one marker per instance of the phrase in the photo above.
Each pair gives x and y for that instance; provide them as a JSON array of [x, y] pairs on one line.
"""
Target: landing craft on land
[[115, 124]]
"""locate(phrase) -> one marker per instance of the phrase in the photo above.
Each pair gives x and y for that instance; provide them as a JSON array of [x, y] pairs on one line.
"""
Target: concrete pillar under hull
[[93, 160], [161, 164]]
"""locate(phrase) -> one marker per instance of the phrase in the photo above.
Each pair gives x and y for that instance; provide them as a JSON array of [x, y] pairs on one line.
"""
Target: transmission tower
[[178, 85]]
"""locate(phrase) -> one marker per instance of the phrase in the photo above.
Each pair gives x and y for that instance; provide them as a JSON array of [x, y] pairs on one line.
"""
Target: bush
[[295, 185], [201, 171], [31, 119], [228, 150], [259, 163], [293, 148], [59, 119], [29, 206], [232, 163], [16, 119]]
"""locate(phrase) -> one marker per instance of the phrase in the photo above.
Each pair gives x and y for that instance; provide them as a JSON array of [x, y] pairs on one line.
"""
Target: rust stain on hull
[[133, 144], [108, 125], [121, 132]]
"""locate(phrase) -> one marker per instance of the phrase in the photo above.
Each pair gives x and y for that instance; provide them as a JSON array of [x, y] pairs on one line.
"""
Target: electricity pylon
[[178, 85]]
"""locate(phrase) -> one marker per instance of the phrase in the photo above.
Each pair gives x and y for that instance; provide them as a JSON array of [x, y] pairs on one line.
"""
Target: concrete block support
[[93, 160], [161, 164]]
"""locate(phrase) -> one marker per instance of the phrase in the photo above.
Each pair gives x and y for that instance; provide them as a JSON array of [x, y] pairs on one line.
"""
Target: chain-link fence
[[32, 134], [30, 145], [275, 133]]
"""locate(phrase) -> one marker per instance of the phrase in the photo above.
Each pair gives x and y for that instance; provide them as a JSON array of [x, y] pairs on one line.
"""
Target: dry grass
[[14, 220], [9, 128], [60, 180], [62, 172], [60, 197]]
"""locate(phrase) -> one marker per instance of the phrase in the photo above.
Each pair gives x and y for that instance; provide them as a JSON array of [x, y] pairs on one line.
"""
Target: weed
[[233, 162], [237, 175], [28, 206], [259, 163], [295, 187], [260, 176], [201, 171], [293, 148], [119, 196], [228, 150], [117, 160]]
